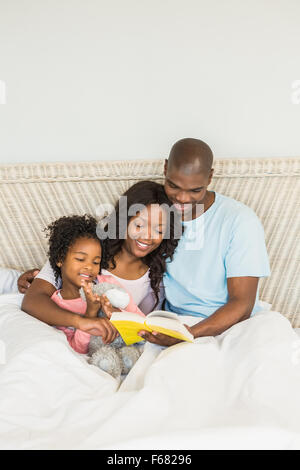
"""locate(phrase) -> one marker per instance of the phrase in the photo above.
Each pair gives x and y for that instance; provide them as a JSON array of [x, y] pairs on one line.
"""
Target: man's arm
[[241, 300], [38, 303]]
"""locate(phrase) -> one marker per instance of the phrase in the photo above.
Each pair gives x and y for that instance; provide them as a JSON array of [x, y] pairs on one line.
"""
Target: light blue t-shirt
[[225, 241]]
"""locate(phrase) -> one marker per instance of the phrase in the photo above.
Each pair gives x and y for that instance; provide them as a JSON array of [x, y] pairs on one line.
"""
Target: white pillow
[[8, 280]]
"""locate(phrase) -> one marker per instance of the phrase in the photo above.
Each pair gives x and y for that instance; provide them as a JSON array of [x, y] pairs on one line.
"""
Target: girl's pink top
[[79, 340]]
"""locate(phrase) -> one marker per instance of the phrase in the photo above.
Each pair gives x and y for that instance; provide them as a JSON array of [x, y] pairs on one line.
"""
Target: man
[[222, 254]]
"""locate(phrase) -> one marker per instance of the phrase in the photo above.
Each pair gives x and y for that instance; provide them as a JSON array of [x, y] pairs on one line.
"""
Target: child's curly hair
[[64, 232]]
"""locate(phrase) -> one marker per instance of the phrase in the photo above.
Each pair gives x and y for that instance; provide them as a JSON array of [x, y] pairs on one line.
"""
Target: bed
[[238, 390]]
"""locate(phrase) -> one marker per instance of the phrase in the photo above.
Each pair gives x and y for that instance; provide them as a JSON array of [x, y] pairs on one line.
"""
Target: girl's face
[[146, 231], [82, 261]]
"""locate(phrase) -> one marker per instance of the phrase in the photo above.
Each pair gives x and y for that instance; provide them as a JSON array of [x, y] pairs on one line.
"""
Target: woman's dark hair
[[144, 193], [64, 232]]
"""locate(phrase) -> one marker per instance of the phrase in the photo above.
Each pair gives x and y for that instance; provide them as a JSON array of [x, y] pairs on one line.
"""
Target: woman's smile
[[143, 246]]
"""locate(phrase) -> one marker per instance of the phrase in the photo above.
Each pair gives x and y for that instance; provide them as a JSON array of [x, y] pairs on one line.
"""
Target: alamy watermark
[[152, 221]]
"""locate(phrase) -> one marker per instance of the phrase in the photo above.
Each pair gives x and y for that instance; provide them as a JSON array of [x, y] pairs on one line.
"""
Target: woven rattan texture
[[33, 195]]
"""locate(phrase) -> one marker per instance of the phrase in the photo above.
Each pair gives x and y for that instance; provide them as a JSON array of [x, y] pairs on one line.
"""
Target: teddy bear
[[116, 358]]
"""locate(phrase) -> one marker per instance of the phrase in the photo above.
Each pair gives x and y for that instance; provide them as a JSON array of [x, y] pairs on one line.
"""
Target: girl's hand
[[93, 300], [107, 307]]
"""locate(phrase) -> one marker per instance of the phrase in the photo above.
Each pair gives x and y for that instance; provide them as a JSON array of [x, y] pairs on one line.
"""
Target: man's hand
[[98, 327], [159, 338], [26, 279]]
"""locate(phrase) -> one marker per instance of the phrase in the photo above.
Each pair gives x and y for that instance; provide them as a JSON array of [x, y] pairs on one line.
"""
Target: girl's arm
[[38, 303]]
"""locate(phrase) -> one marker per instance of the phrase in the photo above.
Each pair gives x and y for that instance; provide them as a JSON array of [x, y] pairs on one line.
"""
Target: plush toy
[[116, 358]]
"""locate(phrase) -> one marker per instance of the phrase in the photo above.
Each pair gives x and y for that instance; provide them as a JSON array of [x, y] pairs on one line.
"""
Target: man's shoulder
[[237, 217], [232, 208]]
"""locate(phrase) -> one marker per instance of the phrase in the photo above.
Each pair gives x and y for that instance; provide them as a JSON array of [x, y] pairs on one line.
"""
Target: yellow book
[[129, 324]]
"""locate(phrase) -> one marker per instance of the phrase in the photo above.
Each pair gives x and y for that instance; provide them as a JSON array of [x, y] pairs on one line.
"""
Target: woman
[[136, 256]]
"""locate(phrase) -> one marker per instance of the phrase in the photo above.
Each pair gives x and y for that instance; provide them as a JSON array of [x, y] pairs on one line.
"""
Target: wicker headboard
[[33, 195]]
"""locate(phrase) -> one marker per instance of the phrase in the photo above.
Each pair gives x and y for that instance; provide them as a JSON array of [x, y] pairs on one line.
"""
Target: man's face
[[186, 190]]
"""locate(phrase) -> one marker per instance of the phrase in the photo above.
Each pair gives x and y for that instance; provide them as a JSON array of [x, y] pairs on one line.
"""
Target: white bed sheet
[[239, 390]]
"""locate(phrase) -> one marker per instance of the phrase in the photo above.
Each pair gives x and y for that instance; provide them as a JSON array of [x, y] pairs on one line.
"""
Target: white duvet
[[240, 390]]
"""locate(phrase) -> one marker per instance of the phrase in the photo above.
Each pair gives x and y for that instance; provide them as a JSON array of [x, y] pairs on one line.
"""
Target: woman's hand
[[26, 279], [97, 327]]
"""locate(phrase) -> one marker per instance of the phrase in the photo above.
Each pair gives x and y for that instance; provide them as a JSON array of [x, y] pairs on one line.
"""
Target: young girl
[[75, 256], [136, 258]]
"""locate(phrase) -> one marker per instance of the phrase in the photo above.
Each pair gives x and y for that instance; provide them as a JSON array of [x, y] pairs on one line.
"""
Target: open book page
[[163, 314], [169, 326], [129, 324], [128, 316]]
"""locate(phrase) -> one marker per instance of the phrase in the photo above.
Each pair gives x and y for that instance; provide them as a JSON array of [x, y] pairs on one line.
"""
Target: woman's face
[[146, 231]]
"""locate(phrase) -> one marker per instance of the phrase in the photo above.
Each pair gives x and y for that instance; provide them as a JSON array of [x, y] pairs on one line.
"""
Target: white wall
[[113, 79]]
